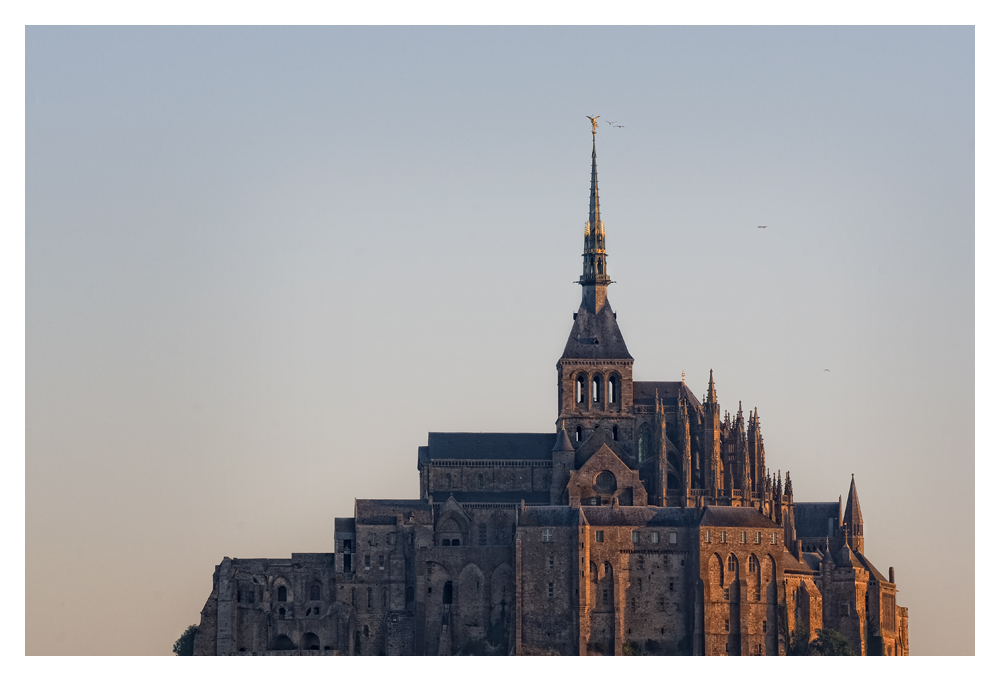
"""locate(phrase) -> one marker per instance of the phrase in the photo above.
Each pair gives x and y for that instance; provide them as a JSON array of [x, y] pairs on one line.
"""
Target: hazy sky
[[261, 264]]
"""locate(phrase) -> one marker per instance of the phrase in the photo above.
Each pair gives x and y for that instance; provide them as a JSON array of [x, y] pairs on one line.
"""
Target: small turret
[[854, 526]]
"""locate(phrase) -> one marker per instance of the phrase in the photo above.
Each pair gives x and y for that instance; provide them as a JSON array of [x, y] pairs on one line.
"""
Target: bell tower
[[595, 370]]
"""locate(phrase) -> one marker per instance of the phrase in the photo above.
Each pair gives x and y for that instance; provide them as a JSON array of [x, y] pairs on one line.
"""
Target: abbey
[[647, 522]]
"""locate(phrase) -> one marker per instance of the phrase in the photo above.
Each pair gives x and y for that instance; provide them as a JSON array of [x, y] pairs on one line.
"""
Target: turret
[[712, 440], [563, 457], [854, 526]]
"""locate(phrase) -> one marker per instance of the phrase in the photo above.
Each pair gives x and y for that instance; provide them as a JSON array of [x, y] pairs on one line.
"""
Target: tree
[[185, 644], [830, 642]]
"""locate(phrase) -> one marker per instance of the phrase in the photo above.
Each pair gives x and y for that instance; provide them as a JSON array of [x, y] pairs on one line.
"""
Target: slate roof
[[811, 518], [383, 511], [644, 392], [595, 336], [513, 446], [790, 564], [868, 566], [736, 516], [539, 516], [486, 497], [640, 515]]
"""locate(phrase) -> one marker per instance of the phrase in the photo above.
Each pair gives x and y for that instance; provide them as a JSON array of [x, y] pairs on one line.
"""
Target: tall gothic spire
[[595, 277], [711, 388]]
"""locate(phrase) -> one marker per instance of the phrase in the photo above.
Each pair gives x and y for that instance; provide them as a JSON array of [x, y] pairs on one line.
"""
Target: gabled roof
[[513, 446], [868, 566], [644, 392], [595, 336], [736, 516], [812, 519]]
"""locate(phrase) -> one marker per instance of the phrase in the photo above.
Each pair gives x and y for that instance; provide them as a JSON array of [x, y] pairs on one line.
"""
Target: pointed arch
[[645, 442]]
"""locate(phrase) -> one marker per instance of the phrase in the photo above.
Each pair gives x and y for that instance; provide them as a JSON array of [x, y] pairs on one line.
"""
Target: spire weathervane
[[593, 122]]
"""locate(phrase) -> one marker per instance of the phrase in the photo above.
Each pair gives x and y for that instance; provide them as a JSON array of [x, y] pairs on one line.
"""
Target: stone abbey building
[[647, 522]]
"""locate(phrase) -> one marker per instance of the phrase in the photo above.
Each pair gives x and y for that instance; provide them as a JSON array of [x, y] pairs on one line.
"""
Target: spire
[[711, 398], [852, 514], [595, 277]]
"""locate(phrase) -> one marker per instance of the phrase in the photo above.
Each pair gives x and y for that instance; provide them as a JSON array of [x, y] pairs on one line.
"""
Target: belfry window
[[612, 390], [595, 390], [581, 389]]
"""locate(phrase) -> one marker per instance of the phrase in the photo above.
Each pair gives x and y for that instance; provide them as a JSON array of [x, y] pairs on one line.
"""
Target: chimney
[[892, 575]]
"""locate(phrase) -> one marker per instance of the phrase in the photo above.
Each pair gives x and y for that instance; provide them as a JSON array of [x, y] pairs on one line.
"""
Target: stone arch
[[754, 576], [451, 527], [614, 389], [716, 575], [279, 583], [309, 641], [501, 604], [281, 642], [472, 612], [315, 590], [580, 394], [597, 389]]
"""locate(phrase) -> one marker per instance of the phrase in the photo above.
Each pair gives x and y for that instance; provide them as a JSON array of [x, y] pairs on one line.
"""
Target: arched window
[[282, 593], [731, 564], [613, 390], [645, 442], [281, 613], [596, 383], [445, 542], [754, 565], [614, 433], [310, 641], [581, 389], [456, 542], [579, 433], [600, 267], [447, 593], [314, 592], [369, 598]]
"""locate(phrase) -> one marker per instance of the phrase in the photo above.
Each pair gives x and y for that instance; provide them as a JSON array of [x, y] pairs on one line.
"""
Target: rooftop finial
[[593, 122], [595, 277]]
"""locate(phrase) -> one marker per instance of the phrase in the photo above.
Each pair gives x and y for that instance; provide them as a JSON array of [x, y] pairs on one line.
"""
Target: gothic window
[[456, 542], [645, 442], [731, 564], [613, 390], [282, 594], [447, 593], [595, 390], [445, 542], [754, 566], [581, 389], [314, 592]]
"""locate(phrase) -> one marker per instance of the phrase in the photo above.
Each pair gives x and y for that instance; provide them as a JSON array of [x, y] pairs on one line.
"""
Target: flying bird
[[826, 370], [614, 124], [761, 226]]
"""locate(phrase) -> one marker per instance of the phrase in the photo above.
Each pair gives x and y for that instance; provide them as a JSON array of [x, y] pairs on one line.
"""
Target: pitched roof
[[487, 497], [513, 446], [736, 516], [384, 511], [595, 336], [644, 392], [868, 566], [852, 511], [812, 518], [653, 516]]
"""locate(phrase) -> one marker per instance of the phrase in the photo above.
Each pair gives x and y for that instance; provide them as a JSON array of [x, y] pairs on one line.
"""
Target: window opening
[[282, 593], [447, 593], [314, 592]]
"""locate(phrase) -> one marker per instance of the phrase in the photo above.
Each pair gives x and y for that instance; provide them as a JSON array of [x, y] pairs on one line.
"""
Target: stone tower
[[595, 370]]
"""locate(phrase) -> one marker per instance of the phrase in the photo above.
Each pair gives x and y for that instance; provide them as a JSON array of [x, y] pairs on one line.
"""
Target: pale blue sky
[[262, 263]]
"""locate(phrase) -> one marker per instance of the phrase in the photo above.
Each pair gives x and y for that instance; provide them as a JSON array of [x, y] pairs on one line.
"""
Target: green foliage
[[830, 642], [631, 648], [185, 644]]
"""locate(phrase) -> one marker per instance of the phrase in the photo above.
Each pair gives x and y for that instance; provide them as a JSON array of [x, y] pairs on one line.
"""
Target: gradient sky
[[261, 264]]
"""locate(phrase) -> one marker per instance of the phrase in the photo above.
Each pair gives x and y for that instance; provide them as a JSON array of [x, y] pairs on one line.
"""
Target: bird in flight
[[826, 370], [761, 226], [614, 124]]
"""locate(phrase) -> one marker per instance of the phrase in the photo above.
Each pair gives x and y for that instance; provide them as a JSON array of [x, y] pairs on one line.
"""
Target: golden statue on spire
[[593, 122]]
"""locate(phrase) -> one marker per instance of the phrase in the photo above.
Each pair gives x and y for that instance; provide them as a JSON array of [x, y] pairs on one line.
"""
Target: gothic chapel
[[646, 523]]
